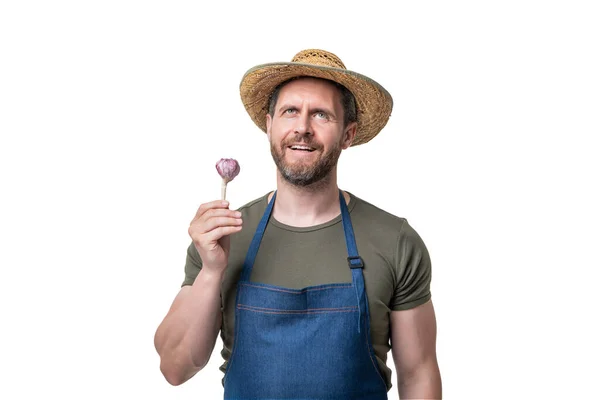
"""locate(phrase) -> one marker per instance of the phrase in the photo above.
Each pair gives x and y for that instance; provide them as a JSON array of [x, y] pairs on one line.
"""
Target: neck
[[303, 206]]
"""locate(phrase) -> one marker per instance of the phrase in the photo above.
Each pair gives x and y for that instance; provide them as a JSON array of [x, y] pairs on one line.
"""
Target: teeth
[[301, 148]]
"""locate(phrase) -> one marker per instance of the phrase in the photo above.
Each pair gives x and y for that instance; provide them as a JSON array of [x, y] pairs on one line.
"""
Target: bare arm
[[186, 337], [413, 336]]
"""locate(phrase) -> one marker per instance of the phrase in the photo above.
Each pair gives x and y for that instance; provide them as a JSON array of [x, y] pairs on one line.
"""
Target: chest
[[301, 259]]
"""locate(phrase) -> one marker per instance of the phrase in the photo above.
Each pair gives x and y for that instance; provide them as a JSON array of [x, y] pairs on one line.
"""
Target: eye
[[289, 111], [321, 115]]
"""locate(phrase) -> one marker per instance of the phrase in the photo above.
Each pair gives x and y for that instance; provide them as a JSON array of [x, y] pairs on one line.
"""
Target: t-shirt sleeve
[[193, 265], [413, 271]]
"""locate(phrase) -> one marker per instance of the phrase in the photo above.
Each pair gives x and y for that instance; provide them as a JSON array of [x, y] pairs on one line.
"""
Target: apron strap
[[255, 244], [354, 260]]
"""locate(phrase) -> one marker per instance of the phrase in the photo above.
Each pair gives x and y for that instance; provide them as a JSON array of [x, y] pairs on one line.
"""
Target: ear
[[349, 134], [269, 122]]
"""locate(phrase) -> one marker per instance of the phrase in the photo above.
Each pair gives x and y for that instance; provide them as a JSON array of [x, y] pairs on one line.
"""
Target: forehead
[[310, 89]]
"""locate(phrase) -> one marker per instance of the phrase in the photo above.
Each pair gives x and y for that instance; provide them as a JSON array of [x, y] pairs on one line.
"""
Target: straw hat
[[373, 102]]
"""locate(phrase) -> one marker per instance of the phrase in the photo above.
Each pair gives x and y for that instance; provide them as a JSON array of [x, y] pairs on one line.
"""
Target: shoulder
[[252, 213], [384, 225], [254, 203], [366, 213], [254, 208]]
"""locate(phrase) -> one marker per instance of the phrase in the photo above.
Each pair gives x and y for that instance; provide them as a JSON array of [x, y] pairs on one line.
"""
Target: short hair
[[348, 101]]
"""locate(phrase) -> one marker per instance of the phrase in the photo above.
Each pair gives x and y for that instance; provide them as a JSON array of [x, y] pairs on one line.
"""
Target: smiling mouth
[[302, 148]]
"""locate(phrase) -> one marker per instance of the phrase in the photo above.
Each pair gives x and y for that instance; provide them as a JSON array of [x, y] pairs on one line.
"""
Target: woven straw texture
[[373, 103]]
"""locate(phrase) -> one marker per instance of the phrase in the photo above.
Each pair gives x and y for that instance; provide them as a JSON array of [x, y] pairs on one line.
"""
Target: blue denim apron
[[312, 343]]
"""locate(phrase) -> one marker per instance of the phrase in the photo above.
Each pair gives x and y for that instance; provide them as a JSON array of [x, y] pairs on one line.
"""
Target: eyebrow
[[312, 110], [285, 107]]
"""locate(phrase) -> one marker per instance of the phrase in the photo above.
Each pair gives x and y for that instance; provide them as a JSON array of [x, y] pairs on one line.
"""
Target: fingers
[[221, 212], [213, 221], [220, 232], [217, 204], [223, 215], [208, 239], [217, 222]]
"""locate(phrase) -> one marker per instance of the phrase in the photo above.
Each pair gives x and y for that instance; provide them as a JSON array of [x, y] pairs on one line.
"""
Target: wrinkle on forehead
[[312, 92]]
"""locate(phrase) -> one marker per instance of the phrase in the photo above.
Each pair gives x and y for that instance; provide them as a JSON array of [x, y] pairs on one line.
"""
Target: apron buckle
[[356, 262]]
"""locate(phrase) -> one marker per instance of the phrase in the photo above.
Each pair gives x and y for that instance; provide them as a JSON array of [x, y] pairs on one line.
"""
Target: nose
[[302, 125]]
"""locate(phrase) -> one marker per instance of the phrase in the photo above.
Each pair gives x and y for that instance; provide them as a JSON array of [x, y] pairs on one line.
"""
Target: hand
[[210, 230]]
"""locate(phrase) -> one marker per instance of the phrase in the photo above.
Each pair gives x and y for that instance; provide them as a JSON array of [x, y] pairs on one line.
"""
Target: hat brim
[[373, 103]]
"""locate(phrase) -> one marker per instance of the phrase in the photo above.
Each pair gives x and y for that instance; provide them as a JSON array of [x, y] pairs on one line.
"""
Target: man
[[308, 285]]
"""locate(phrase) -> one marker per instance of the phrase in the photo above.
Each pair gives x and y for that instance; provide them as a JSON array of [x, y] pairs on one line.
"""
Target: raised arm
[[186, 337], [413, 337]]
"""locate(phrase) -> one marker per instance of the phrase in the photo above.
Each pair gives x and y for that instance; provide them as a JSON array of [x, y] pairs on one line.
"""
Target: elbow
[[174, 380], [177, 373], [177, 364], [175, 376], [171, 365]]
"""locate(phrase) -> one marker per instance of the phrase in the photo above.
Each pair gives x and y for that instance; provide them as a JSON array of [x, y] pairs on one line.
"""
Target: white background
[[113, 114]]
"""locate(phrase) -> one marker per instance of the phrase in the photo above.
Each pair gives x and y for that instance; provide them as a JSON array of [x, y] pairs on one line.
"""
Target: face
[[306, 132]]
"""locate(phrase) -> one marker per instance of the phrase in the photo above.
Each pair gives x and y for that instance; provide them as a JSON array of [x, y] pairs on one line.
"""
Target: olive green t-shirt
[[397, 267]]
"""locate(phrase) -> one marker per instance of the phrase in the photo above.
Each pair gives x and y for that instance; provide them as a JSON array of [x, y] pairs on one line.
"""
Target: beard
[[301, 173]]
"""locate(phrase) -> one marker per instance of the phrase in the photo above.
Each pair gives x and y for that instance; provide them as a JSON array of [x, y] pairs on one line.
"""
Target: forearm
[[186, 337], [423, 383]]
